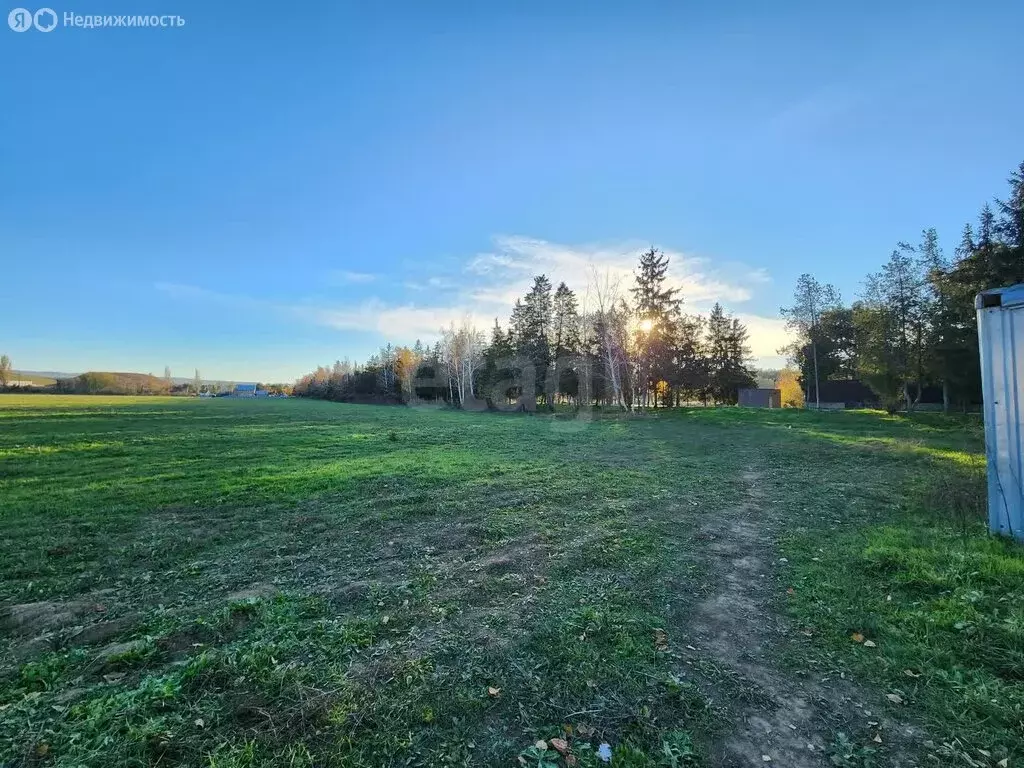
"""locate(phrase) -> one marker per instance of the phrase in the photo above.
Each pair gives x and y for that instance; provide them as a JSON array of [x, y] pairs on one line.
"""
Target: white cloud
[[489, 263], [435, 283], [346, 277], [766, 336], [759, 275], [489, 284], [398, 324], [511, 267], [497, 297]]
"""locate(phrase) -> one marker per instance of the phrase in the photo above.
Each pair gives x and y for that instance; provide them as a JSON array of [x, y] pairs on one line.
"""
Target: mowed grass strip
[[290, 582]]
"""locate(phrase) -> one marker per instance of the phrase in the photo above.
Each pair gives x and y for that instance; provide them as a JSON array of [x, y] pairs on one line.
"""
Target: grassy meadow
[[232, 583]]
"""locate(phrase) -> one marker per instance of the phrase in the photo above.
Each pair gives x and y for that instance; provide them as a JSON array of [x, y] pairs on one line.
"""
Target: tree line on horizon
[[629, 348], [914, 326], [126, 383]]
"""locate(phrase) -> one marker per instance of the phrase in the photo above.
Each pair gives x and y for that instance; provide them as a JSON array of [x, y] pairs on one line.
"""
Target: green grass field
[[298, 583]]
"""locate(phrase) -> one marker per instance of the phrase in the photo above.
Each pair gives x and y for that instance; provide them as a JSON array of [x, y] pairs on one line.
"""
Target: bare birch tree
[[462, 356], [610, 330]]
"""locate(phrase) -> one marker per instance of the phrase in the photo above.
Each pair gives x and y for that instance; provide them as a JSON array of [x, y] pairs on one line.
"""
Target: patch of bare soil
[[30, 619], [495, 589], [102, 631], [780, 718], [254, 592]]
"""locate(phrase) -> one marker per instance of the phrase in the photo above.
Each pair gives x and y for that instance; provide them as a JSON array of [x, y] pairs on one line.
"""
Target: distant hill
[[113, 382], [51, 375], [35, 378]]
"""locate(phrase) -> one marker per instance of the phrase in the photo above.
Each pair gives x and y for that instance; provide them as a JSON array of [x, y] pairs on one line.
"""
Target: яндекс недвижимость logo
[[22, 19], [46, 20]]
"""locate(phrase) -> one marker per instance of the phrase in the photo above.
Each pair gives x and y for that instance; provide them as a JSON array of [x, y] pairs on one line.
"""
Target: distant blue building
[[244, 390]]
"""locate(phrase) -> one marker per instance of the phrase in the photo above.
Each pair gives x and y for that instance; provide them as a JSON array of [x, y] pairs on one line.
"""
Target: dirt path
[[780, 718]]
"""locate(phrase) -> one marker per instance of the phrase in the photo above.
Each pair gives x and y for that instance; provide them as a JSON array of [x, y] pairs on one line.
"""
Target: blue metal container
[[1001, 337]]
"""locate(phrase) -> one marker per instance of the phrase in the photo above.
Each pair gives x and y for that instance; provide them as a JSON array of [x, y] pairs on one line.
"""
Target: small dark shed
[[761, 398], [852, 393]]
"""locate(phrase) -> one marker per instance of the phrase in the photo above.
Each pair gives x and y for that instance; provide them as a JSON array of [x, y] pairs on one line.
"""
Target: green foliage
[[845, 753], [727, 357], [102, 383], [915, 325]]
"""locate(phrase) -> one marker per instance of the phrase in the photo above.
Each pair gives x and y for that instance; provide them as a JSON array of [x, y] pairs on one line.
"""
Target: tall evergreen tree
[[565, 338], [499, 372], [727, 354], [690, 379], [533, 335], [1010, 227], [657, 310]]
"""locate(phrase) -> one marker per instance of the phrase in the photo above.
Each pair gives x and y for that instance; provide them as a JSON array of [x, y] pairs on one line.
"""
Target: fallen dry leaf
[[878, 738], [560, 745], [869, 643], [660, 640], [570, 760], [790, 591], [586, 731], [492, 691], [200, 722], [113, 677], [857, 637], [895, 698], [1004, 762], [911, 673]]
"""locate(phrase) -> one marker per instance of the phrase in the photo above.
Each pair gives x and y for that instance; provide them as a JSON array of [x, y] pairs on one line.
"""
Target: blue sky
[[260, 191]]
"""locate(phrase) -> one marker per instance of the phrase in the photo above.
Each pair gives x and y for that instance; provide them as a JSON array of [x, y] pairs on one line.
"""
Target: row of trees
[[105, 383], [915, 325], [633, 348], [6, 370]]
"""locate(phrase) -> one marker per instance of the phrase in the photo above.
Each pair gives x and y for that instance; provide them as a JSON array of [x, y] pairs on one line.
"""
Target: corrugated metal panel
[[1000, 334]]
